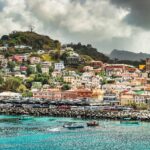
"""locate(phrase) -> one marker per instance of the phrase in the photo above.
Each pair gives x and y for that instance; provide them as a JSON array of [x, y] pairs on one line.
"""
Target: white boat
[[54, 130], [26, 117], [73, 126]]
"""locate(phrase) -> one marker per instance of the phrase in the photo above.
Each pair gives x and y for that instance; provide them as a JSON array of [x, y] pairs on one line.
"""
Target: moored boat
[[92, 124], [26, 117], [73, 126], [129, 121]]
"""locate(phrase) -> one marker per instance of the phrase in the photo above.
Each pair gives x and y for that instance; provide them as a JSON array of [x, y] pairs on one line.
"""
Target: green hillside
[[89, 51], [33, 39]]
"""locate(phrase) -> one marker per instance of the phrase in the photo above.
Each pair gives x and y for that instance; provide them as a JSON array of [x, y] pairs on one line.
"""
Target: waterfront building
[[111, 98], [59, 95], [10, 94]]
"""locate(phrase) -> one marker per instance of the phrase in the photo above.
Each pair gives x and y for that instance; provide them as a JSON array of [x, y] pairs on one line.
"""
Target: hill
[[127, 55], [89, 51], [36, 41]]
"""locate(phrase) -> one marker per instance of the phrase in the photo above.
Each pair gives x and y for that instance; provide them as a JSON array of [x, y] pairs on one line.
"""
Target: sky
[[106, 24]]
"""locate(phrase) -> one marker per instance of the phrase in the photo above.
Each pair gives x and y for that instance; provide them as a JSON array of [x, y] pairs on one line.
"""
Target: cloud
[[139, 12], [106, 24], [80, 18]]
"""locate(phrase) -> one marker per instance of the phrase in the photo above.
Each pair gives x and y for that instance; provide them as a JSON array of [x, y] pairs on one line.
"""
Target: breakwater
[[84, 114]]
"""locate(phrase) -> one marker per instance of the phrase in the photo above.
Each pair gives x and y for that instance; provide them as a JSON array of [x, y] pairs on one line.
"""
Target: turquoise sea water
[[47, 133]]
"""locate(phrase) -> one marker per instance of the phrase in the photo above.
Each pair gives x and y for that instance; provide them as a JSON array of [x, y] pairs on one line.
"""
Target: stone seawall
[[84, 114]]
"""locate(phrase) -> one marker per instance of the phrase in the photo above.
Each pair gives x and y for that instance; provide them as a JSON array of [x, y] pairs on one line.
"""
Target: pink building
[[18, 58], [23, 68]]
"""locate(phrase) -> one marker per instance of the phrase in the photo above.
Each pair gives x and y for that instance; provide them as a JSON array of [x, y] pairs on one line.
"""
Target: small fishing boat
[[73, 126], [129, 121], [93, 124]]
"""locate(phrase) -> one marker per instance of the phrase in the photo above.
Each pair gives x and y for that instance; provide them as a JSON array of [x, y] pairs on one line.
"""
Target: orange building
[[58, 95], [83, 93]]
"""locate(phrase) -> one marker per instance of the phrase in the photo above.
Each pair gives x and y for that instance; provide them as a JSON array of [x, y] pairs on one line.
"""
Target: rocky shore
[[84, 114]]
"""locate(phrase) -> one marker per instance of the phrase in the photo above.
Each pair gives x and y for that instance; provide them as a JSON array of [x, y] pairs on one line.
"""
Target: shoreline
[[81, 114]]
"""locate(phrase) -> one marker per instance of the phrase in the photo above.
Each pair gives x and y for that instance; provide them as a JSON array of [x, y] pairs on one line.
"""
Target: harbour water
[[47, 133]]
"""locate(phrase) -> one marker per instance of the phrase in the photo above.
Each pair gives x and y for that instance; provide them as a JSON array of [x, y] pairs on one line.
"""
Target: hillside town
[[64, 75]]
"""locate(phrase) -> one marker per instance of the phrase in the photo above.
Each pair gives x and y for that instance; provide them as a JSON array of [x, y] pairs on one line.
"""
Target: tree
[[11, 65], [22, 88], [51, 69], [12, 84], [133, 105], [6, 54], [30, 71], [28, 82], [5, 38], [66, 87], [11, 43], [38, 68], [1, 80], [27, 94], [55, 55], [64, 56], [44, 78], [58, 45]]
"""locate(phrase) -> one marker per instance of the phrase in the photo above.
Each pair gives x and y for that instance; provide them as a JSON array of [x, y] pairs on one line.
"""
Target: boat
[[26, 117], [54, 130], [92, 124], [73, 126], [129, 121], [52, 119]]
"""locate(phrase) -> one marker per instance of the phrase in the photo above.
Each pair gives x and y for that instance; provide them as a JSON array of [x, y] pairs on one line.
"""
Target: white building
[[45, 69], [3, 48], [23, 47], [59, 66], [10, 94]]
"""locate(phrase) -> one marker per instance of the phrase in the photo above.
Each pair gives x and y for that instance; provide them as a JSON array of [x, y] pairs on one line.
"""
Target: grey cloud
[[139, 12], [3, 3]]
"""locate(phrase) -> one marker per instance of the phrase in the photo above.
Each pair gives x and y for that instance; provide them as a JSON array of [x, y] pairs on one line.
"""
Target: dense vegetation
[[90, 51], [36, 41]]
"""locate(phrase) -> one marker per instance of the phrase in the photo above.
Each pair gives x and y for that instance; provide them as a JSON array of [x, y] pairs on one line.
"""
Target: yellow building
[[142, 67], [126, 99], [69, 79]]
